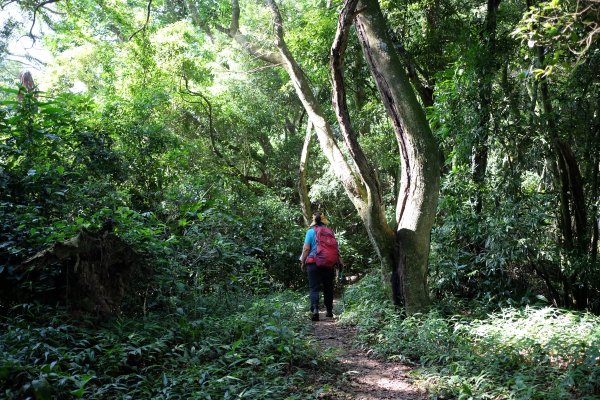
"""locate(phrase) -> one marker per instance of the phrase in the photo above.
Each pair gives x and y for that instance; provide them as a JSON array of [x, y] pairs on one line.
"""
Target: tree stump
[[97, 272]]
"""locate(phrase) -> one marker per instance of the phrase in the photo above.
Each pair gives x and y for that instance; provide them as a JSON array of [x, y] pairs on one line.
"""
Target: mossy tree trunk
[[419, 156]]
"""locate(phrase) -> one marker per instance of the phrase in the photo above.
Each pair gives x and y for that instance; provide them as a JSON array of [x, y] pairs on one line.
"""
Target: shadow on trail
[[365, 378]]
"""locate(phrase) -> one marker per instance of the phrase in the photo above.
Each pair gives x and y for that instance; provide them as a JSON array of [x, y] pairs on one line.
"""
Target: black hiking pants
[[316, 277]]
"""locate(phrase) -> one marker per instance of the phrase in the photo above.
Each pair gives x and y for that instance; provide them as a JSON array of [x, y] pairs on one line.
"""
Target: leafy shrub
[[64, 169], [496, 256], [244, 347], [527, 353]]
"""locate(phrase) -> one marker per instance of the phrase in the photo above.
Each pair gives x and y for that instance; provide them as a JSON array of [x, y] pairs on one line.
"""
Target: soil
[[367, 378]]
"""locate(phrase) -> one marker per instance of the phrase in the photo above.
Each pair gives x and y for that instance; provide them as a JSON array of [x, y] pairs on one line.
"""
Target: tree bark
[[345, 173], [195, 16], [352, 176], [302, 185], [570, 180], [420, 161], [373, 215], [487, 69]]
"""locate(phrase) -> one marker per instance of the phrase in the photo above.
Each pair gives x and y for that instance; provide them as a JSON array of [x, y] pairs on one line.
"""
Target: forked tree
[[402, 245]]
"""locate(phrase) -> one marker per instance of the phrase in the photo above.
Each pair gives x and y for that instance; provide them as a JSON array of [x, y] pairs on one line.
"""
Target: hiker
[[320, 267]]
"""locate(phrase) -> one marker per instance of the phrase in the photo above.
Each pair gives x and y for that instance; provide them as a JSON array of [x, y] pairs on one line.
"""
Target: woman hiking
[[320, 255]]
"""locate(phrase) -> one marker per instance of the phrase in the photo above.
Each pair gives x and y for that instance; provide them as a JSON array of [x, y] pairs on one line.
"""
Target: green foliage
[[431, 32], [54, 155], [239, 241], [310, 36], [514, 248], [568, 28], [526, 353], [216, 247], [238, 346], [66, 169], [511, 241], [186, 149]]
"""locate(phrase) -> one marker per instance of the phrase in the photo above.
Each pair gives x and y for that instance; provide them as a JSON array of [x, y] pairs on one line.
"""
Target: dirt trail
[[369, 379]]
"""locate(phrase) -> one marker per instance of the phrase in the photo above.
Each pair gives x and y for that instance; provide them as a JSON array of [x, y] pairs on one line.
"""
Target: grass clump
[[513, 353]]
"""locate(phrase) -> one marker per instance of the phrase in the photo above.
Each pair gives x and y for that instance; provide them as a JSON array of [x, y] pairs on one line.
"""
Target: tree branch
[[340, 105], [262, 54], [421, 83], [3, 5], [234, 33], [207, 106], [32, 60], [143, 28], [346, 174], [302, 185], [234, 27], [62, 14], [35, 11], [193, 10], [208, 109], [277, 22]]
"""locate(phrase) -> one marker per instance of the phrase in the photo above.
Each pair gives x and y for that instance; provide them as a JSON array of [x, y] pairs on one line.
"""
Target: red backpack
[[328, 253]]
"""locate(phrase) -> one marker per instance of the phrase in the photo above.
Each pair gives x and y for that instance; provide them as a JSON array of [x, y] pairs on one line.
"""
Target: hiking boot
[[329, 314], [315, 316]]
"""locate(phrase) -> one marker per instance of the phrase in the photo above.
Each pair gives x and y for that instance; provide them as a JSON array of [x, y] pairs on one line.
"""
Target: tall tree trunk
[[487, 70], [570, 177], [595, 216], [302, 185], [520, 128], [419, 156], [373, 215], [358, 179], [346, 173]]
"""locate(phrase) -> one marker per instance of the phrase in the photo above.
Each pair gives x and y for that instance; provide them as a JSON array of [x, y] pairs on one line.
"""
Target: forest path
[[366, 377]]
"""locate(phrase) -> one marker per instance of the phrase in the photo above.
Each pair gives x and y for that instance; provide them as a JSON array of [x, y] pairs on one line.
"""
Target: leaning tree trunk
[[302, 185], [373, 213], [350, 175], [359, 178], [420, 161]]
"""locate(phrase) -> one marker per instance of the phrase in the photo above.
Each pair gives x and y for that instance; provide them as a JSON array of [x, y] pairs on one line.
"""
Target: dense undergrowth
[[209, 317], [218, 347], [466, 351]]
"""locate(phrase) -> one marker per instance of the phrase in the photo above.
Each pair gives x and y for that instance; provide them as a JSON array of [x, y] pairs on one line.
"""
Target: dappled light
[[539, 350]]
